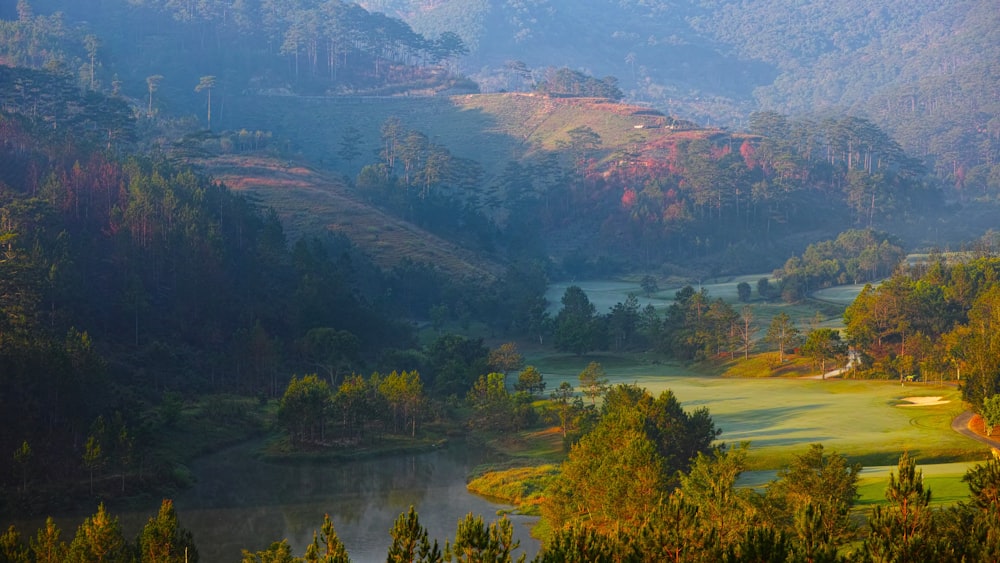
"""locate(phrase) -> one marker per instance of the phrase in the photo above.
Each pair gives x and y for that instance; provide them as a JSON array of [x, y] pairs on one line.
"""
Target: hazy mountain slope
[[925, 70], [309, 203], [489, 129]]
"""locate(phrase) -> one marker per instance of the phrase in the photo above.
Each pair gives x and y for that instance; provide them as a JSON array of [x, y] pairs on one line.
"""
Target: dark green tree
[[530, 380], [823, 345], [902, 531], [303, 408], [649, 285], [724, 509], [825, 485], [593, 381], [575, 327], [22, 457], [477, 542], [410, 543], [350, 145], [743, 292]]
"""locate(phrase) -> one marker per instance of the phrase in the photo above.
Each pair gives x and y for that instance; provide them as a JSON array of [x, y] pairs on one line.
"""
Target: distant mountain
[[927, 71]]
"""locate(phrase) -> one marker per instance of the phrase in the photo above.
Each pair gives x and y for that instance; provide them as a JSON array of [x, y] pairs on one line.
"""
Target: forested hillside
[[546, 175], [925, 71], [124, 277]]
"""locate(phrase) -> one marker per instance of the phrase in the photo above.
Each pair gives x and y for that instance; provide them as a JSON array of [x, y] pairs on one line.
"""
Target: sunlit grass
[[522, 487], [781, 416], [944, 480]]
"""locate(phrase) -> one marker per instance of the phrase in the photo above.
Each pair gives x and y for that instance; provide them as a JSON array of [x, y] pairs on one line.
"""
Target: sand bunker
[[922, 401]]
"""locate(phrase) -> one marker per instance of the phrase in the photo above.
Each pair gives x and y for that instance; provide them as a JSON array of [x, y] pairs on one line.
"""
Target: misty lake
[[239, 502]]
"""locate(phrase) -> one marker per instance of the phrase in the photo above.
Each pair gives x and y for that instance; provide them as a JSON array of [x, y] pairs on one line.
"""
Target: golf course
[[869, 421]]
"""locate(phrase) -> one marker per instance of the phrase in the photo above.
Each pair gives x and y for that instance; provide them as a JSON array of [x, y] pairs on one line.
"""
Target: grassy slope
[[309, 202]]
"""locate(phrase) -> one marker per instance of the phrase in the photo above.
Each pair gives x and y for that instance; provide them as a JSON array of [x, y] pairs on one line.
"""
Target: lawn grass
[[944, 480], [767, 365], [780, 417]]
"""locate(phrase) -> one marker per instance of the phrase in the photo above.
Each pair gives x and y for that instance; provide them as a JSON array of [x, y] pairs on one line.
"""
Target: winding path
[[961, 425]]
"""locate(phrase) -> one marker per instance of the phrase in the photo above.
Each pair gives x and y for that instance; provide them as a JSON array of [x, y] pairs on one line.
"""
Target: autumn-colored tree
[[505, 358]]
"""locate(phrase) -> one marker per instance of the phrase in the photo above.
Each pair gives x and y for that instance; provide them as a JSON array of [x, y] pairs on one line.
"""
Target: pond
[[242, 503]]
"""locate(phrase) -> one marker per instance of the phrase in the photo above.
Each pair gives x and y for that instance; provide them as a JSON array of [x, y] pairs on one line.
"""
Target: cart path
[[961, 425]]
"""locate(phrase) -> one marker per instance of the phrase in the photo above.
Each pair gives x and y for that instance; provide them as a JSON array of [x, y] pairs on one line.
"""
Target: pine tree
[[99, 539], [475, 542], [163, 541], [901, 532], [410, 543], [46, 546]]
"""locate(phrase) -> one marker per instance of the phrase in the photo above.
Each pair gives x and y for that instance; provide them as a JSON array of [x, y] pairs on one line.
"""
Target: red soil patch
[[978, 425]]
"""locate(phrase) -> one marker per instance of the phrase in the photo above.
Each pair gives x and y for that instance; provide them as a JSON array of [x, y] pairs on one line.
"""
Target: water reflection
[[242, 503]]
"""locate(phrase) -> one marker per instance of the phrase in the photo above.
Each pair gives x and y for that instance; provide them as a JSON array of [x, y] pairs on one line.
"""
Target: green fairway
[[780, 417], [840, 295], [944, 481]]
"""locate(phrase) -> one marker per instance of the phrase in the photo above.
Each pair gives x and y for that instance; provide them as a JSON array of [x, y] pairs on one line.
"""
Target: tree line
[[935, 320], [855, 256], [710, 194]]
